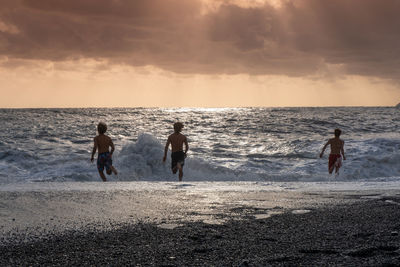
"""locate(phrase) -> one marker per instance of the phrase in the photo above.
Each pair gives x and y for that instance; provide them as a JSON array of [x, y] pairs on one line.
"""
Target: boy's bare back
[[336, 145], [103, 142], [177, 154], [177, 140]]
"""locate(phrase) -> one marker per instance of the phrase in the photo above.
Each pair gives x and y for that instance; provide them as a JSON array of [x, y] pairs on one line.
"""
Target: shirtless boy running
[[177, 155], [337, 151], [104, 159]]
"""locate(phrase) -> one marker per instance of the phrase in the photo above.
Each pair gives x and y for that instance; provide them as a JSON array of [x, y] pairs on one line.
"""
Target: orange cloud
[[293, 38]]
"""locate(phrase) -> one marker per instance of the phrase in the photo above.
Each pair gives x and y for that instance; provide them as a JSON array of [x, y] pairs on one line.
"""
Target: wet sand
[[189, 225]]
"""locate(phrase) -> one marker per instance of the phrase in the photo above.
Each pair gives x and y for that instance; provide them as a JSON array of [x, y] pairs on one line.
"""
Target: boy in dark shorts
[[337, 151], [177, 155], [102, 142]]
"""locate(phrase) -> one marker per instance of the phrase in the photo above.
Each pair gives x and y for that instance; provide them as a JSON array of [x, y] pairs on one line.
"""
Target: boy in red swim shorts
[[337, 152], [103, 142]]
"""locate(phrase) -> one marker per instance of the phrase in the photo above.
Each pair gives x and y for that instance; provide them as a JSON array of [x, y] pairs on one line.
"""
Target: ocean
[[226, 144]]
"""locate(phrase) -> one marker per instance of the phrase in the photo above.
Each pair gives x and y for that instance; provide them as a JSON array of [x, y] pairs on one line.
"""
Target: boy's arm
[[342, 150], [323, 149], [112, 147], [94, 149], [166, 149], [186, 145]]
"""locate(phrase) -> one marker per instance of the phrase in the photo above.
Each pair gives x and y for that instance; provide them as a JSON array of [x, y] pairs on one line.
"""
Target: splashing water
[[235, 144]]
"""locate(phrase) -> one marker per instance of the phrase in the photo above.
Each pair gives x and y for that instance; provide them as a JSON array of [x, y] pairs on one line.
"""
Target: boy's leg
[[101, 163], [102, 176], [114, 170], [110, 170], [338, 164], [180, 168], [337, 169], [331, 169], [331, 163], [109, 167], [174, 170]]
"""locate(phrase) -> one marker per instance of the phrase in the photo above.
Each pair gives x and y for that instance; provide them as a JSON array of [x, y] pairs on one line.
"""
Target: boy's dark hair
[[338, 132], [178, 127], [102, 127]]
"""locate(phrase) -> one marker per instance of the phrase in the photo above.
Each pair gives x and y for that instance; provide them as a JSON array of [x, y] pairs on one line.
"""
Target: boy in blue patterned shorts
[[102, 142]]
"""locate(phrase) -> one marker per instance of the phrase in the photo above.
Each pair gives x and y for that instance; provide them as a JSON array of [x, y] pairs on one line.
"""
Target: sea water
[[226, 144]]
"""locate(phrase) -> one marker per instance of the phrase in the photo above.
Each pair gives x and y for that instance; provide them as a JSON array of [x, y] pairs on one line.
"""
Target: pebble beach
[[193, 224]]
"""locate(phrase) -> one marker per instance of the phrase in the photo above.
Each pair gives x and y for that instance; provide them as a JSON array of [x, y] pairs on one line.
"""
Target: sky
[[199, 53]]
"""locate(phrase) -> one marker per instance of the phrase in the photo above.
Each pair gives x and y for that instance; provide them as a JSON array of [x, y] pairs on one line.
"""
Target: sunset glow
[[174, 53]]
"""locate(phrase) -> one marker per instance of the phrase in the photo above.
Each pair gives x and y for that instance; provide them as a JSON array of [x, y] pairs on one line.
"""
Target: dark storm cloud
[[299, 38]]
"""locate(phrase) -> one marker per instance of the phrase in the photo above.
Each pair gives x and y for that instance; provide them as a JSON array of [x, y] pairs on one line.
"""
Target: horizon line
[[197, 107]]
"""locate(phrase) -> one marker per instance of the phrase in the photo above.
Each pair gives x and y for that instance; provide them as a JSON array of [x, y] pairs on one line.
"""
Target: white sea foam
[[278, 145]]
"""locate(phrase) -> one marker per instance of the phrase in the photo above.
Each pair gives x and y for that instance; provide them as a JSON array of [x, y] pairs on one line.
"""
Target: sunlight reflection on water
[[236, 144]]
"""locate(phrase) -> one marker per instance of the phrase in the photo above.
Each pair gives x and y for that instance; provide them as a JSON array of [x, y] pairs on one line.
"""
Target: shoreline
[[185, 224]]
